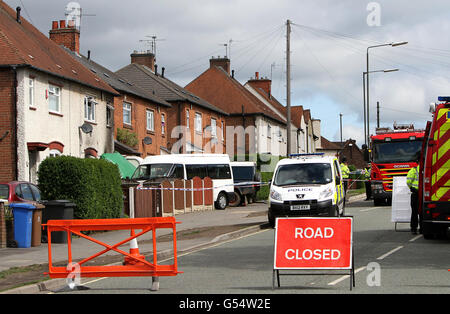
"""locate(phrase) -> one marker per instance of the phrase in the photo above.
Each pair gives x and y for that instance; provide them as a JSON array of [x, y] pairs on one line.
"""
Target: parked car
[[244, 172], [19, 191]]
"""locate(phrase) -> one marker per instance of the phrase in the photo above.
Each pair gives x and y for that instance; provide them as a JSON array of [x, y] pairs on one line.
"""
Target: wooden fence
[[169, 198]]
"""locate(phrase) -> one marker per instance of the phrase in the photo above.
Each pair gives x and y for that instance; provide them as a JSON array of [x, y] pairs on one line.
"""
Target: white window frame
[[150, 120], [54, 153], [221, 131], [213, 127], [126, 104], [89, 108], [198, 122], [109, 115], [54, 91], [269, 130], [31, 99], [187, 118], [163, 124]]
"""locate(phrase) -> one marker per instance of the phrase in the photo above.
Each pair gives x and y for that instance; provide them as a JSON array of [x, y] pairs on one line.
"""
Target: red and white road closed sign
[[313, 243]]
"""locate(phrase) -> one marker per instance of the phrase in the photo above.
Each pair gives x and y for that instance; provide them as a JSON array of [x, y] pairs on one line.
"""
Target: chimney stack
[[224, 63], [66, 35], [144, 58], [262, 83]]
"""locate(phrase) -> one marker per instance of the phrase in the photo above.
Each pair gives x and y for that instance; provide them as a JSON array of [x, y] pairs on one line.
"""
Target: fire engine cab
[[393, 154], [434, 172]]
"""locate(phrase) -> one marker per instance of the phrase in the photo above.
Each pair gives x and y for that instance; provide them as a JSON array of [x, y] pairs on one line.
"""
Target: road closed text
[[316, 254], [313, 243]]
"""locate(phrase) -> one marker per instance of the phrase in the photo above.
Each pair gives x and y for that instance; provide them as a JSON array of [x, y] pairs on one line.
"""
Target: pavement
[[198, 229]]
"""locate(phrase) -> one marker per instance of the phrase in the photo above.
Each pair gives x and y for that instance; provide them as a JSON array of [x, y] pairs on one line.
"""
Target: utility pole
[[378, 114], [340, 123], [288, 84]]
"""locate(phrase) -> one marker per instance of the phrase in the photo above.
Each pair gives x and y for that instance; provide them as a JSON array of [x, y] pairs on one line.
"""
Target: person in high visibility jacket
[[345, 175], [412, 180], [367, 183]]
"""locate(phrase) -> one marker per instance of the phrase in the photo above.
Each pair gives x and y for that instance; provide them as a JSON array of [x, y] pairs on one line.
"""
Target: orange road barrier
[[138, 268]]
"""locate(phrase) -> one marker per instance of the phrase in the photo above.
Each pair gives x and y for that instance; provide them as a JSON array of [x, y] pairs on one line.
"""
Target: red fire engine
[[393, 154], [434, 172]]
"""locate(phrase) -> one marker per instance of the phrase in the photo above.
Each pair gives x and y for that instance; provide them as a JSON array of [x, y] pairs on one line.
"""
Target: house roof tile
[[21, 44], [116, 81], [225, 92], [164, 88]]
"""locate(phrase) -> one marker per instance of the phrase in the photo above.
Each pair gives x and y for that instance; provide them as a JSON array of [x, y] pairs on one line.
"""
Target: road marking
[[390, 252], [415, 238], [183, 254], [368, 209], [345, 277]]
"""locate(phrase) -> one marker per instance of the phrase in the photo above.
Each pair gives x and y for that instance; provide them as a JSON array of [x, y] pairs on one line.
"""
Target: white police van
[[306, 185], [186, 166]]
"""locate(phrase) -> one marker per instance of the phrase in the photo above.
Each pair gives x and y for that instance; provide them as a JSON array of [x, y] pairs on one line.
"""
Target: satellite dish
[[86, 128], [147, 140]]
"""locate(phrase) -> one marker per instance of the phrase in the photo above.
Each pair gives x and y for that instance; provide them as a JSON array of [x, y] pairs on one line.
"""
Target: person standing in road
[[412, 180], [345, 175], [367, 183]]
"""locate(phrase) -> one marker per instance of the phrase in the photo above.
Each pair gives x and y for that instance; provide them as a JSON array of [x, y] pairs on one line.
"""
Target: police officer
[[412, 180], [345, 175], [367, 183]]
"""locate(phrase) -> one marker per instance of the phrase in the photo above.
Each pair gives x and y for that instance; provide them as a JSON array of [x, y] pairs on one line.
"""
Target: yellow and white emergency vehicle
[[306, 185]]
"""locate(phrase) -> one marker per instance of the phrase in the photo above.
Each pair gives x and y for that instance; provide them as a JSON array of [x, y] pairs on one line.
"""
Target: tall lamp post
[[366, 131], [367, 78]]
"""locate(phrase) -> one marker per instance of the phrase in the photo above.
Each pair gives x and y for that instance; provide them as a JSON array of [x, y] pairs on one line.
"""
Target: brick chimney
[[262, 83], [144, 58], [66, 35], [224, 63]]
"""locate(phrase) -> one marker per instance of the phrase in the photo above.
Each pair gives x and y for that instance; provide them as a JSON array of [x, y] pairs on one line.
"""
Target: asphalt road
[[386, 262]]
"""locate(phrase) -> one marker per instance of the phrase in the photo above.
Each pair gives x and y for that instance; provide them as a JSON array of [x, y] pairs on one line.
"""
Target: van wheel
[[221, 201], [236, 201]]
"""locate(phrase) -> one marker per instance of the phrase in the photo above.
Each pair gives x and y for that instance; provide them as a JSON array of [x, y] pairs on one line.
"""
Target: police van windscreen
[[306, 173], [152, 171], [395, 151]]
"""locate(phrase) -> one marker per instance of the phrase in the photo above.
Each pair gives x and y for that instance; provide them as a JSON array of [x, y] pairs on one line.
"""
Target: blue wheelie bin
[[23, 216]]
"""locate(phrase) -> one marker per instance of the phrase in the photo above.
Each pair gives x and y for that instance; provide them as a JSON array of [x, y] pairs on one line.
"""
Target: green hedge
[[94, 185]]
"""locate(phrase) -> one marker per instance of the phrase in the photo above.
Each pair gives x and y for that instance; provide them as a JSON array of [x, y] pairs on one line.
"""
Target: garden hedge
[[94, 185]]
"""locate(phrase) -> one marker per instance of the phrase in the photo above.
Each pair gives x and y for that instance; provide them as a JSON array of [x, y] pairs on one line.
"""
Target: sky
[[329, 41]]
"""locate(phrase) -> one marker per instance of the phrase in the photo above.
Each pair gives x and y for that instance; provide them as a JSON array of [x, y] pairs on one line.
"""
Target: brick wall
[[139, 107], [177, 115], [7, 124]]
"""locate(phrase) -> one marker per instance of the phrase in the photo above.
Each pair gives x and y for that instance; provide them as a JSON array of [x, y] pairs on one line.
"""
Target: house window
[[31, 92], [150, 121], [163, 124], [127, 113], [187, 119], [269, 131], [198, 122], [54, 101], [54, 153], [89, 109], [213, 128], [109, 116]]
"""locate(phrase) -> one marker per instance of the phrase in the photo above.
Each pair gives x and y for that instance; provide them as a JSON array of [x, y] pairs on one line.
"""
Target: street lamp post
[[367, 78], [366, 131]]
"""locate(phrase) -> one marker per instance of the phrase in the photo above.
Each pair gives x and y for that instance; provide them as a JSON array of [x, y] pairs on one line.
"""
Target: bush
[[94, 185], [127, 137]]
